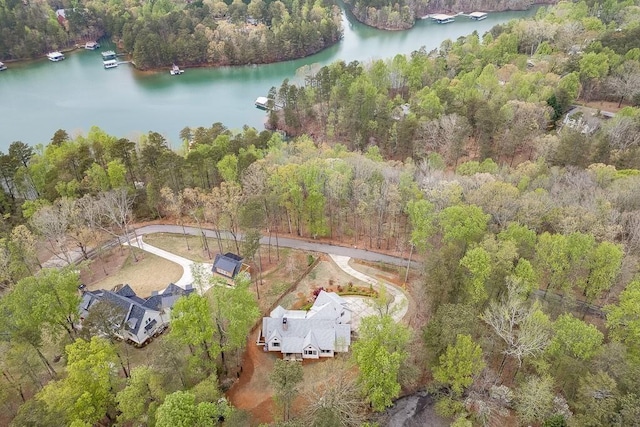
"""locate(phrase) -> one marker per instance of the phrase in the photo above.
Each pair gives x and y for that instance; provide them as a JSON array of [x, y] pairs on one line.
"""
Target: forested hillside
[[160, 33], [525, 228], [492, 98]]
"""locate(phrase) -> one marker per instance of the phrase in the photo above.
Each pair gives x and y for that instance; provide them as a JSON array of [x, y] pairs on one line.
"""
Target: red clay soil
[[250, 393]]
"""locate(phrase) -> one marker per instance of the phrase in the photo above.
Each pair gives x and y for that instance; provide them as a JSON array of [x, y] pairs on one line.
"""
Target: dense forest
[[163, 32], [526, 226]]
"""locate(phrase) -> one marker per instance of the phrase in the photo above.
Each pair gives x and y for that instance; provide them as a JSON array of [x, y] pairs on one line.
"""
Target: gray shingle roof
[[131, 307], [167, 298], [297, 332], [319, 327], [126, 291], [230, 263]]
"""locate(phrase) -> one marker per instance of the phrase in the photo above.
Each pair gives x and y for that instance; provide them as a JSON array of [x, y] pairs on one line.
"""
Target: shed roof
[[228, 262]]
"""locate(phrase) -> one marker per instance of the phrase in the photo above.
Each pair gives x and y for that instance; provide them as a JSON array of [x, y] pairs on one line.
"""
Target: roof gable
[[126, 291], [227, 265]]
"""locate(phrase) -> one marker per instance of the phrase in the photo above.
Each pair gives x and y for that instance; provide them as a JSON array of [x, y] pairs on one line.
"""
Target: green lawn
[[177, 244]]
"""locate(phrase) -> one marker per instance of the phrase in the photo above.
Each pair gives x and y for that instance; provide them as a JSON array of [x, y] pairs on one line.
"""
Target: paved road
[[285, 242], [398, 308]]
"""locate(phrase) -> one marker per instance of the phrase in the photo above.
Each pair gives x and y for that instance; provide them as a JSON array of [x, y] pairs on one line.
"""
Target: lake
[[40, 97]]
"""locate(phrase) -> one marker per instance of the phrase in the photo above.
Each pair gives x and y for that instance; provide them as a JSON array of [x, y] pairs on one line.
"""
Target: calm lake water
[[39, 97]]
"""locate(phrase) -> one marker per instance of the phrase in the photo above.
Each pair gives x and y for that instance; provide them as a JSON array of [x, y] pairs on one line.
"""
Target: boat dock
[[476, 16], [262, 102], [442, 18], [175, 70], [110, 63], [108, 55], [55, 56]]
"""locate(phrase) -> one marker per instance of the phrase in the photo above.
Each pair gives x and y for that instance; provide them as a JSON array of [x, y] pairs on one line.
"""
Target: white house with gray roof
[[137, 319], [320, 332]]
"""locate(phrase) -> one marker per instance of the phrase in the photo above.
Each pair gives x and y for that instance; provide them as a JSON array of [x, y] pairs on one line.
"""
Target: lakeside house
[[134, 319], [320, 332]]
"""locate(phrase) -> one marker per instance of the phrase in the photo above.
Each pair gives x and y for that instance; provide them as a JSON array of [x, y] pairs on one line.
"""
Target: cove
[[40, 97]]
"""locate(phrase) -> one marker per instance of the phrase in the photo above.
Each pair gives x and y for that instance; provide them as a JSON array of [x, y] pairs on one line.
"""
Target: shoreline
[[149, 71], [349, 8]]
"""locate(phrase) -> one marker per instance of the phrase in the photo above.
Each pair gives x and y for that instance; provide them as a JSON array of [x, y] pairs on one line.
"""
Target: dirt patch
[[252, 391], [150, 273], [604, 105]]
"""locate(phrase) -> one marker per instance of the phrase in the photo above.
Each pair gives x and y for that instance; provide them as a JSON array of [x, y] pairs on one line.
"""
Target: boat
[[262, 102], [2, 66], [110, 63], [478, 16], [92, 45], [55, 56], [175, 70], [108, 55], [442, 19]]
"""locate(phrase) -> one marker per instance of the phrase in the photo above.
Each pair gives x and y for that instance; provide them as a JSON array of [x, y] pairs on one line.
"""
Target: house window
[[310, 352], [325, 351], [275, 344]]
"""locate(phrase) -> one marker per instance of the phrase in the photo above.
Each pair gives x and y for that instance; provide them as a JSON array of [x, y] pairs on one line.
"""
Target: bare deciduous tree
[[52, 223], [174, 203], [117, 214], [333, 397], [524, 328], [625, 82]]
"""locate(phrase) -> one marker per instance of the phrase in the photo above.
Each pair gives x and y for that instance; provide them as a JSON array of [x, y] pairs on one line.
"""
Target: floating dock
[[441, 18], [55, 56], [262, 102], [478, 16], [108, 55], [110, 63]]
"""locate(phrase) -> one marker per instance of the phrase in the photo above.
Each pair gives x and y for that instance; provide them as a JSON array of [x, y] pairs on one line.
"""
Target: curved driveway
[[398, 307], [339, 254], [186, 264]]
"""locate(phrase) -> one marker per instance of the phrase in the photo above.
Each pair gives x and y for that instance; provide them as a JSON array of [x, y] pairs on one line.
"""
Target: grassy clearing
[[177, 244], [150, 273]]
